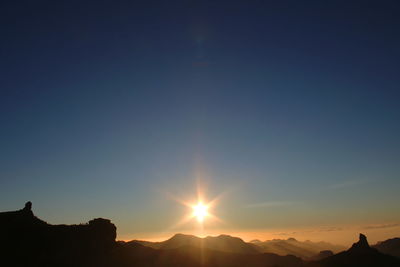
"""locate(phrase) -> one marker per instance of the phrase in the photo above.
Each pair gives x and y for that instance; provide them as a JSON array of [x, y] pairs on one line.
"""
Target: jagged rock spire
[[361, 245], [363, 241], [27, 210], [28, 206]]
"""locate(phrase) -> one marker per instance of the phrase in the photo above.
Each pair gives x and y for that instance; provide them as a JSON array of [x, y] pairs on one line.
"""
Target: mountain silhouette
[[226, 243], [135, 254], [223, 243], [291, 246], [360, 254], [390, 247], [26, 240]]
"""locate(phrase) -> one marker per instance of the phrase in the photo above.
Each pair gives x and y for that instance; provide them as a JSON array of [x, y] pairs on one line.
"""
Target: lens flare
[[200, 212], [200, 208]]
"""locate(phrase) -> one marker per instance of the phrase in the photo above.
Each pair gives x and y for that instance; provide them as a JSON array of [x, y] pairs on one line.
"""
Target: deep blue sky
[[104, 104]]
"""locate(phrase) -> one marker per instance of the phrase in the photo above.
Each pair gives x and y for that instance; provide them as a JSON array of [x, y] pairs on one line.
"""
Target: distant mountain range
[[390, 246], [291, 246], [25, 240], [225, 243]]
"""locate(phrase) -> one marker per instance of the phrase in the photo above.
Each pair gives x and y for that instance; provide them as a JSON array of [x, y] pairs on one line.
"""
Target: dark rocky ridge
[[27, 240], [360, 254], [361, 246], [390, 247]]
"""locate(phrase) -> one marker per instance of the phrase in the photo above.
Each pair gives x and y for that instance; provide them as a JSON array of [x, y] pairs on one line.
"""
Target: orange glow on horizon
[[341, 234], [199, 208]]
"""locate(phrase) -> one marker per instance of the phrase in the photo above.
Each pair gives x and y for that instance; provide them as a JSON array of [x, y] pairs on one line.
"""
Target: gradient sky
[[289, 109]]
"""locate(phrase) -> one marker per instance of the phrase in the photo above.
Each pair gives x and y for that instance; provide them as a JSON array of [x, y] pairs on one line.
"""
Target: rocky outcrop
[[40, 243], [362, 245], [360, 254]]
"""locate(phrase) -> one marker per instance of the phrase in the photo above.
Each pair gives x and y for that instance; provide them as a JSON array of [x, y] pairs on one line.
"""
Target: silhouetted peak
[[291, 239], [179, 240], [361, 245], [103, 228], [28, 206], [227, 237], [363, 241], [27, 210], [180, 236]]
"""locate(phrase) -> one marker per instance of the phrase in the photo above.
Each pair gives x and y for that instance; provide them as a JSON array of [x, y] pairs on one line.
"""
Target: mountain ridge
[[359, 254], [291, 246], [389, 246], [26, 240], [223, 242]]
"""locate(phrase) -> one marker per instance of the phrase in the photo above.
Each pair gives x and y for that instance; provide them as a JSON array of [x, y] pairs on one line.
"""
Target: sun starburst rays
[[200, 211]]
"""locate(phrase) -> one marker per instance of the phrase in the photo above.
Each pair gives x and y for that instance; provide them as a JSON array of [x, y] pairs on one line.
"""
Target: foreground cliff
[[25, 240]]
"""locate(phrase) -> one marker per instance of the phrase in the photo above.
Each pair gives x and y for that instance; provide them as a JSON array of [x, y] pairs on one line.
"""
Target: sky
[[287, 112]]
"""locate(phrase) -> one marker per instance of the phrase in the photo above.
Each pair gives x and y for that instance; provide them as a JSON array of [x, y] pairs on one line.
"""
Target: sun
[[200, 211]]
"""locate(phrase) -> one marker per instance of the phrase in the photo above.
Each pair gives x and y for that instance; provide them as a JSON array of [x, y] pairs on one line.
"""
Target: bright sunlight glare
[[200, 212]]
